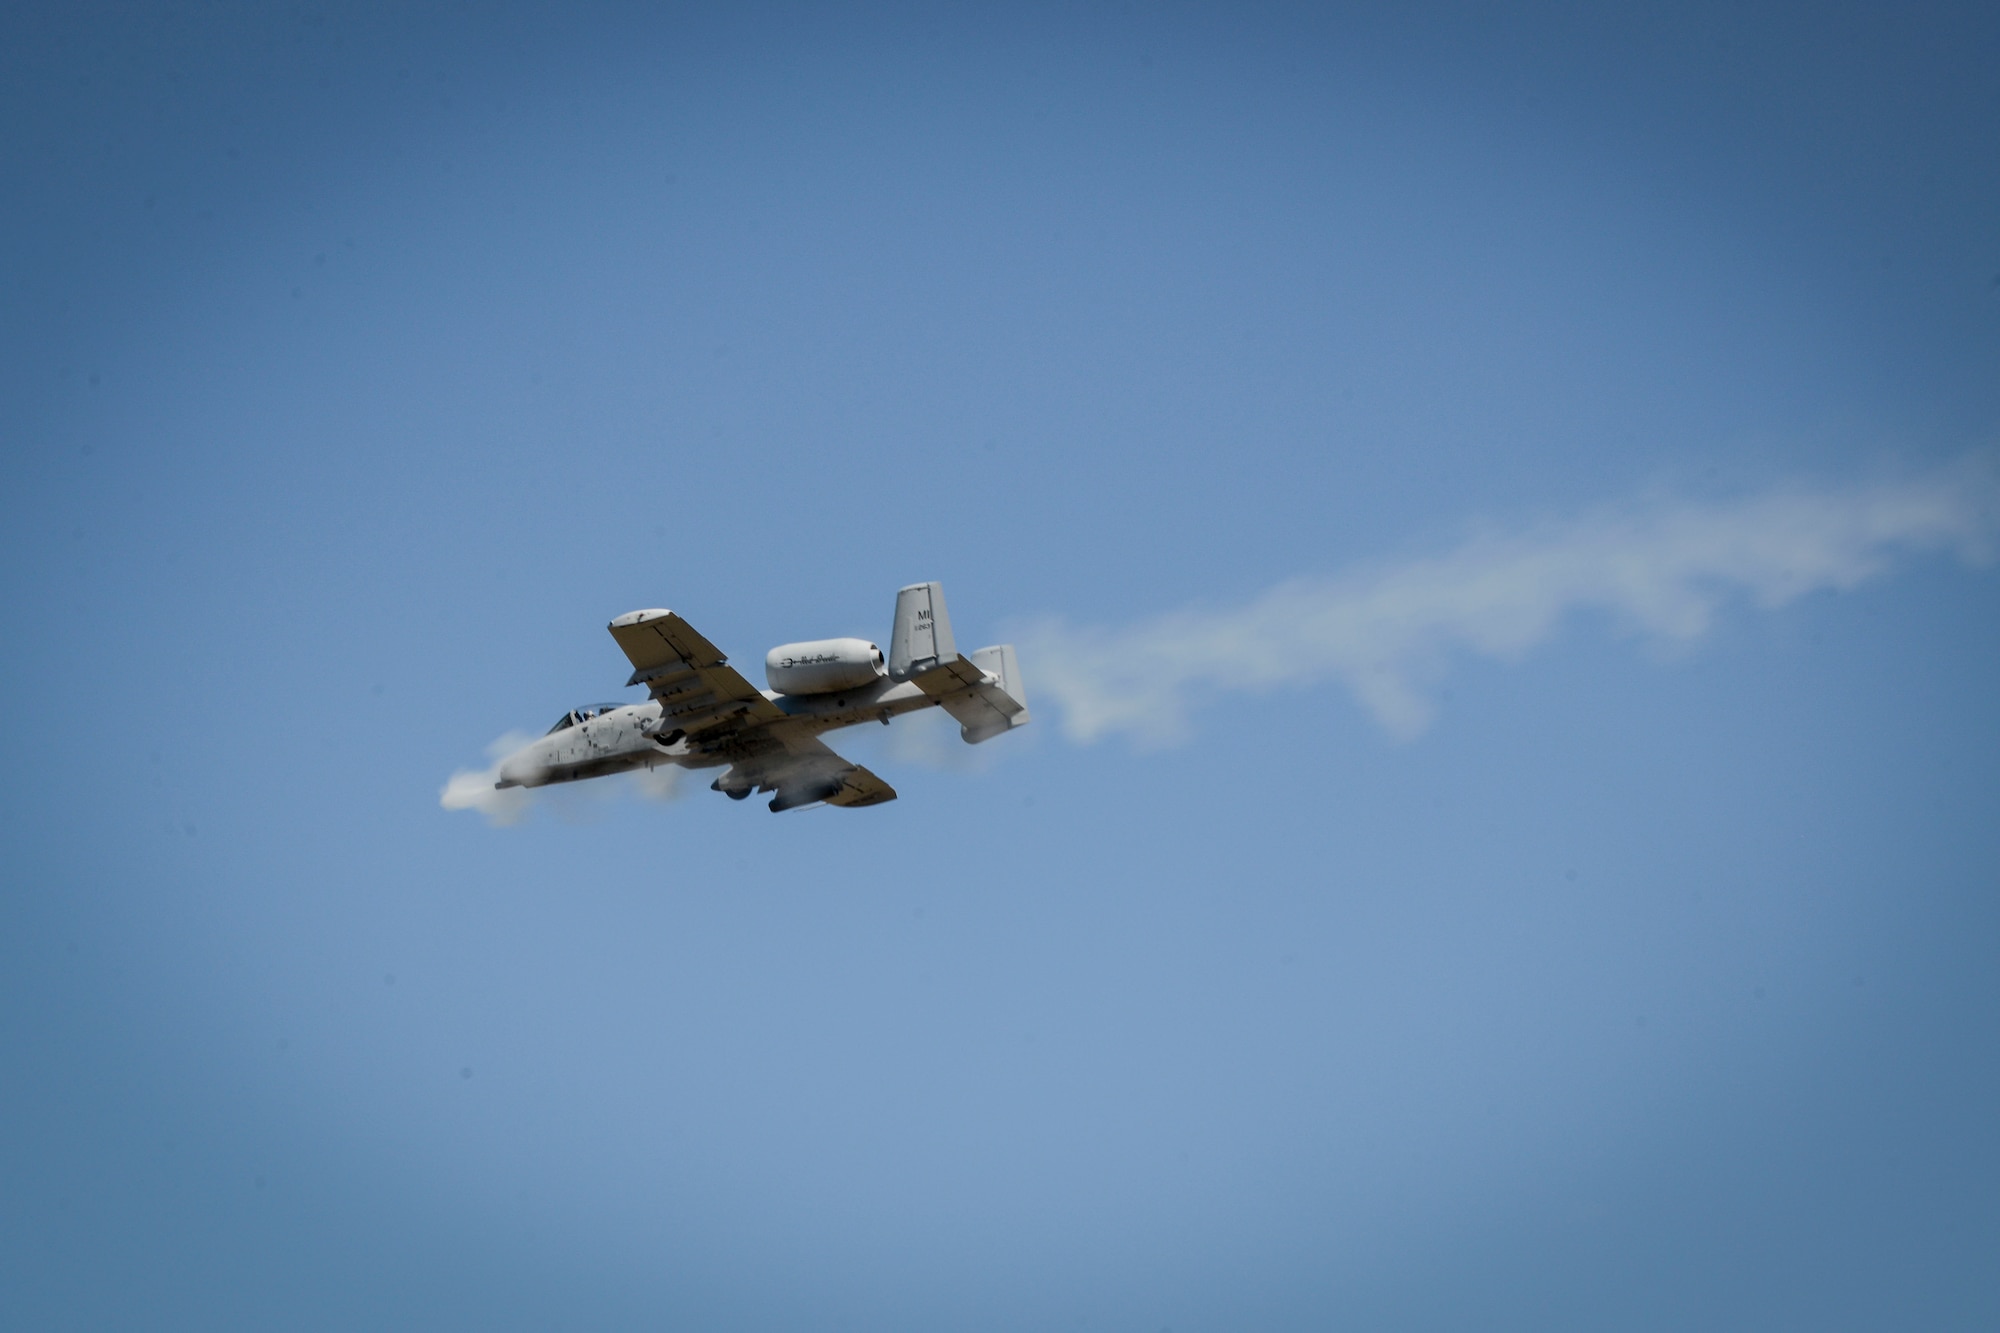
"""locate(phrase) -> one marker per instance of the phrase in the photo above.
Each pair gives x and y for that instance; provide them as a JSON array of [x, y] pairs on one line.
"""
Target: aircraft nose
[[515, 770]]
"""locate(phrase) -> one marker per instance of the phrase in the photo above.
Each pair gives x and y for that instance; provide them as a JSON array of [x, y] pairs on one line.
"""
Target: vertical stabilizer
[[922, 636]]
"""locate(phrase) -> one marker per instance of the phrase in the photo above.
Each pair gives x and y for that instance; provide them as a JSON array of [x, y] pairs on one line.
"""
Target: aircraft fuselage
[[628, 736]]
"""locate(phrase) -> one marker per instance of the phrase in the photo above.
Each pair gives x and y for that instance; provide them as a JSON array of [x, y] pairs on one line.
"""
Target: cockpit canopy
[[583, 714]]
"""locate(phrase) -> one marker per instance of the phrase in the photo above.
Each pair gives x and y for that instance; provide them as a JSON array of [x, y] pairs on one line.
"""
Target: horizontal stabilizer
[[983, 692]]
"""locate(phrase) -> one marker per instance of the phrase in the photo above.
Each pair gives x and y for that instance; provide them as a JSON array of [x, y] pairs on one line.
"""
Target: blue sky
[[1542, 464]]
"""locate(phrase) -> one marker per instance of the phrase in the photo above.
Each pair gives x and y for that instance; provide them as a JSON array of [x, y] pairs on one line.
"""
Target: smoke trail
[[1662, 568]]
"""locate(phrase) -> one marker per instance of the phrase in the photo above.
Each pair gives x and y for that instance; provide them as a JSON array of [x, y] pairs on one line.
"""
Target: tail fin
[[983, 691], [922, 636]]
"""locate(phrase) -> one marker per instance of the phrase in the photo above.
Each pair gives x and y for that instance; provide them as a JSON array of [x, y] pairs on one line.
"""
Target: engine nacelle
[[823, 666]]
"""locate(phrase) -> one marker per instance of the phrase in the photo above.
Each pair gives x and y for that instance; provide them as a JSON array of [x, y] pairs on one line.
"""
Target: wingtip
[[631, 618]]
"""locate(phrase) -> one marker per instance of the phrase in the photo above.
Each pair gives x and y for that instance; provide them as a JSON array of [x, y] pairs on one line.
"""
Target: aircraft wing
[[801, 770], [819, 766], [698, 690], [859, 787]]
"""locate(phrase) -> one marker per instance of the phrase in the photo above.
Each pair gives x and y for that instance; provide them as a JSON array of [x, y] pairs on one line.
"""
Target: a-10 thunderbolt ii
[[703, 714]]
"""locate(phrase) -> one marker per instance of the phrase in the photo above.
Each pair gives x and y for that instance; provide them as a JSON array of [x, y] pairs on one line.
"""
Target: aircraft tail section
[[921, 638], [983, 692], [970, 689]]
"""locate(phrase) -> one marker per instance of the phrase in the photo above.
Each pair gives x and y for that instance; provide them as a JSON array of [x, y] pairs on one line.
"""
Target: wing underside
[[817, 773], [801, 770]]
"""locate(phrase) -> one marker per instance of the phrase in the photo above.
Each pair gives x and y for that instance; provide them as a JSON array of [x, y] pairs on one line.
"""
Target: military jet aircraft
[[703, 714]]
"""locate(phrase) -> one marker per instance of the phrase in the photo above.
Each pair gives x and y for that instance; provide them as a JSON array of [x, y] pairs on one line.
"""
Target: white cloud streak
[[1386, 633]]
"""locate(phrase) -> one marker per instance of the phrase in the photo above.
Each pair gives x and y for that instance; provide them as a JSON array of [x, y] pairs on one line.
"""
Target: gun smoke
[[473, 789], [1660, 569]]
